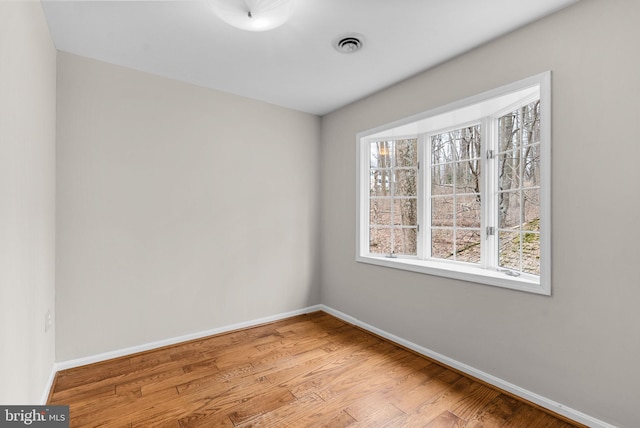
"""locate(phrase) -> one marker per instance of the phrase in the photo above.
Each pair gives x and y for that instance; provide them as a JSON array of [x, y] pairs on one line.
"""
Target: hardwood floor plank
[[261, 404], [205, 365], [530, 417], [373, 412], [341, 420], [293, 371], [221, 384], [450, 398], [128, 386], [84, 392], [80, 376], [408, 365], [243, 353], [311, 370], [496, 413], [288, 415], [121, 373], [115, 412], [417, 390], [475, 401], [446, 420], [214, 420]]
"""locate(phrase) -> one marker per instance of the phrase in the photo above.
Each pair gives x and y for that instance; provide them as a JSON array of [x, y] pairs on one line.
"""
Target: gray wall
[[580, 346], [180, 209], [27, 201]]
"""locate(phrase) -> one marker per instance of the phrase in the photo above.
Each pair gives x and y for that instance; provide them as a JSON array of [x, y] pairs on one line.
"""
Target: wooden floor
[[307, 371]]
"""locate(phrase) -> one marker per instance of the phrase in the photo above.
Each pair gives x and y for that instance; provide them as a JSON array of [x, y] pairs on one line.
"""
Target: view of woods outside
[[393, 197], [455, 197], [519, 189]]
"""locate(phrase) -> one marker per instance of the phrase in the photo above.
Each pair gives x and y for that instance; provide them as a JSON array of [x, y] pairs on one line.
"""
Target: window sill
[[460, 272]]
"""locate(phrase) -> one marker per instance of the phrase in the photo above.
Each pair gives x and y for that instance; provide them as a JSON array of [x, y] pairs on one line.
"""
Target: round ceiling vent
[[348, 43]]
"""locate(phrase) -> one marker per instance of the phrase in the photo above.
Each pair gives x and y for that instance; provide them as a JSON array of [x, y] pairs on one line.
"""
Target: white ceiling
[[293, 66]]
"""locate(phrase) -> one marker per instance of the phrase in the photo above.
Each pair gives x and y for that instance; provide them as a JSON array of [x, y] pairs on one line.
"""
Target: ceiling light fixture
[[348, 43], [253, 15]]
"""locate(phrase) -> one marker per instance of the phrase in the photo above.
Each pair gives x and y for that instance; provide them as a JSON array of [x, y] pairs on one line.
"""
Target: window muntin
[[479, 210]]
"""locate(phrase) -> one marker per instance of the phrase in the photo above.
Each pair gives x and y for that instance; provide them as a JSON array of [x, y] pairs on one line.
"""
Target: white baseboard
[[478, 374], [172, 341], [47, 387]]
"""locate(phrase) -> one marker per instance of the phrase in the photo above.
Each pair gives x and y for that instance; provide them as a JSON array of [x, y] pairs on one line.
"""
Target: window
[[462, 191]]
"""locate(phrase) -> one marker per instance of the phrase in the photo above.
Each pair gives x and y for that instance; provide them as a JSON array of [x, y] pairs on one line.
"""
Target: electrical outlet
[[48, 320]]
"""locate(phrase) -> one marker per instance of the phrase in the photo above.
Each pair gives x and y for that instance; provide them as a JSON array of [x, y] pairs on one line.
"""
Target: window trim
[[443, 268]]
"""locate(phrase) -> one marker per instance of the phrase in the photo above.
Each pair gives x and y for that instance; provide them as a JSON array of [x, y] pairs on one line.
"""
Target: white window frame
[[482, 108]]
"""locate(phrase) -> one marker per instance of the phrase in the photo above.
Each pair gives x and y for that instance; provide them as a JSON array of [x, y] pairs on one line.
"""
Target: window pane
[[441, 149], [466, 142], [510, 132], [405, 212], [468, 245], [381, 153], [406, 153], [442, 179], [468, 211], [442, 243], [442, 211], [379, 240], [380, 211], [509, 250], [406, 182], [380, 180], [531, 167], [531, 122], [405, 241], [509, 171], [531, 209], [467, 176], [531, 252], [509, 209]]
